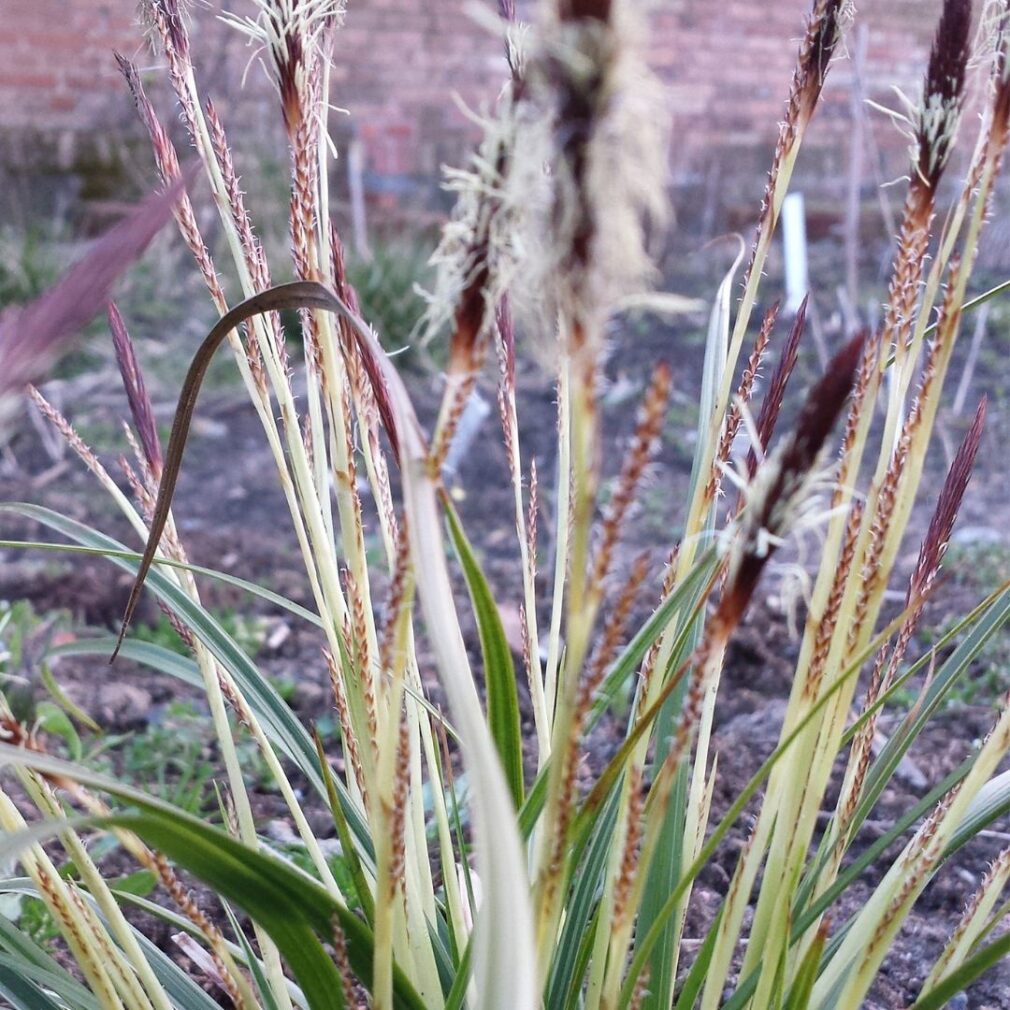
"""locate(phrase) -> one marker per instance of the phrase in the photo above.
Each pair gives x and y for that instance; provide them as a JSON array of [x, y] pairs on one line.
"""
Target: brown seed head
[[825, 28], [507, 335], [169, 16], [574, 74]]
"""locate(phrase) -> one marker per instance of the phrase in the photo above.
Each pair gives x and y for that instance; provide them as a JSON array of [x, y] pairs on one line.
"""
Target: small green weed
[[29, 263], [36, 921], [979, 565], [173, 758], [247, 631], [387, 287]]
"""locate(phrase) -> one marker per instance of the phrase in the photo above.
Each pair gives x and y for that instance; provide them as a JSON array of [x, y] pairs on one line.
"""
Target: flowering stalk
[[579, 74]]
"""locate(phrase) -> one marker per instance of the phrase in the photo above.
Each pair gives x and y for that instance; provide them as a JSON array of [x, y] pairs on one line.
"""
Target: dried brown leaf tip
[[940, 111], [778, 494], [136, 391]]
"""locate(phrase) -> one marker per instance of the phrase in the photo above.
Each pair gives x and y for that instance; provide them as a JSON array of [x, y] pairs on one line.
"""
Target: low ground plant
[[486, 870]]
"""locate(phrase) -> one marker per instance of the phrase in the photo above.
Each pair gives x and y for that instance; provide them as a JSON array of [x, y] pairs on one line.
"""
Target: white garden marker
[[794, 239]]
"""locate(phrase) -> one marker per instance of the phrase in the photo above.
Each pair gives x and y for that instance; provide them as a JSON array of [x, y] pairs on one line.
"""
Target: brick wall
[[727, 63]]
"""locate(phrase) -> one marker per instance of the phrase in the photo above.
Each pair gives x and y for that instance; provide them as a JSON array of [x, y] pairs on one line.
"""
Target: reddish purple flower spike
[[769, 513], [32, 336], [506, 330], [934, 546], [380, 390], [942, 94], [172, 13], [949, 55], [136, 391], [824, 403], [771, 405]]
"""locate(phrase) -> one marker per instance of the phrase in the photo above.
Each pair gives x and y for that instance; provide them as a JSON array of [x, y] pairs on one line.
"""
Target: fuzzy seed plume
[[291, 34], [476, 257], [169, 17], [591, 162]]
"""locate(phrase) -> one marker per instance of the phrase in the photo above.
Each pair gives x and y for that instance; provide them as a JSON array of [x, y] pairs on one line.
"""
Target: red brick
[[399, 62]]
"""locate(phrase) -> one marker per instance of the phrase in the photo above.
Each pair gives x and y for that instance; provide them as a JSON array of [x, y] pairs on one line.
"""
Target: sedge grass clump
[[527, 887]]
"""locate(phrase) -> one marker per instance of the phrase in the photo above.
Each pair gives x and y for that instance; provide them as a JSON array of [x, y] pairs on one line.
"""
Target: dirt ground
[[232, 516]]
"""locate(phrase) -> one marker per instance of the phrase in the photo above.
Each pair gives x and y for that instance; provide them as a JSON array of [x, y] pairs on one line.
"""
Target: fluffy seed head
[[595, 119], [591, 10], [291, 32], [475, 258]]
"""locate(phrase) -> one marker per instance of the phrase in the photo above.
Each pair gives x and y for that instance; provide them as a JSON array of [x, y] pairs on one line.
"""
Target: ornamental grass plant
[[531, 887]]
